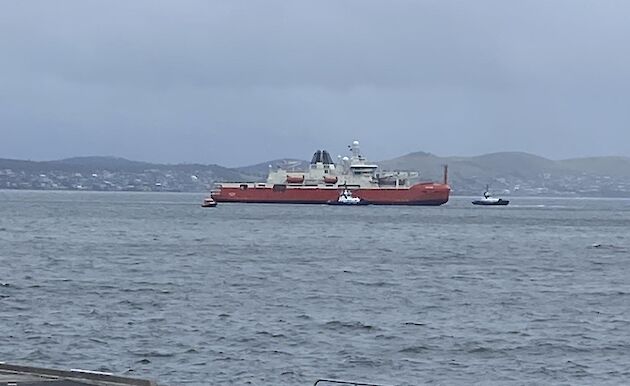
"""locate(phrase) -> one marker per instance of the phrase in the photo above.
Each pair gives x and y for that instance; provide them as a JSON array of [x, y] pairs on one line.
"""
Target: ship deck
[[15, 375]]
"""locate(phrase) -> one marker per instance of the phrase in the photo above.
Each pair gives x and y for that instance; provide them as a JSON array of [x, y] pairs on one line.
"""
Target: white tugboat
[[208, 202], [346, 198]]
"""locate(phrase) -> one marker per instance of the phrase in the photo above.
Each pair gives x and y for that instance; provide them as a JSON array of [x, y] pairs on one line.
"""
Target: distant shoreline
[[452, 196]]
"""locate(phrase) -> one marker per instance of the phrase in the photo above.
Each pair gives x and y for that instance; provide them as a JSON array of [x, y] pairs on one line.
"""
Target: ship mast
[[357, 158]]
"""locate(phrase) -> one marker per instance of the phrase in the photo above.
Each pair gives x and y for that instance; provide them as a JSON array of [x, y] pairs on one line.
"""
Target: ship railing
[[400, 173], [325, 382]]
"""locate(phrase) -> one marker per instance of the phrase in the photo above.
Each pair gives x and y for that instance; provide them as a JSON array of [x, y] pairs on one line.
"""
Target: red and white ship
[[325, 180]]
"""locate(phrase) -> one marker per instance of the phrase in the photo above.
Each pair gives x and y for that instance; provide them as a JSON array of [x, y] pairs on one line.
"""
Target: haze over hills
[[112, 173], [260, 170], [507, 173], [523, 173], [513, 163]]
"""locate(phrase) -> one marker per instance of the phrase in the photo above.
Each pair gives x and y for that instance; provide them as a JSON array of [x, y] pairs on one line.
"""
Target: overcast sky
[[240, 82]]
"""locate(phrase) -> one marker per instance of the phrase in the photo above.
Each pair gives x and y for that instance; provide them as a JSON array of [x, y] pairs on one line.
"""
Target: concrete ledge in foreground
[[16, 375]]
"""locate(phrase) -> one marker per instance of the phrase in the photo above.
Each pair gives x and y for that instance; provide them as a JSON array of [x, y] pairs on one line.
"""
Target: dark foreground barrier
[[16, 375]]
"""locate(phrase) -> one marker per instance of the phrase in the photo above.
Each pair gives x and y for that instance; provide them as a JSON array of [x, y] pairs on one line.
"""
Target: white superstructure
[[352, 171]]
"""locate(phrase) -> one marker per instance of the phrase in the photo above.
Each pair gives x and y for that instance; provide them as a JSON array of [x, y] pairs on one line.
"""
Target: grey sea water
[[153, 285]]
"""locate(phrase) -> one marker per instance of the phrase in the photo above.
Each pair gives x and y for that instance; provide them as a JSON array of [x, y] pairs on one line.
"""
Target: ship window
[[325, 170], [243, 186], [279, 188]]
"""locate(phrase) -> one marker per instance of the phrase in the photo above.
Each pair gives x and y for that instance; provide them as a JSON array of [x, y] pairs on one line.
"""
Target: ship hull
[[430, 194]]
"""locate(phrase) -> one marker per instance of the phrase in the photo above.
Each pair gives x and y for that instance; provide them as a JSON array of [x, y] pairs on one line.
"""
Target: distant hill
[[117, 164], [111, 173], [511, 163], [506, 172], [261, 170], [98, 163], [487, 166], [604, 166], [509, 170], [75, 164]]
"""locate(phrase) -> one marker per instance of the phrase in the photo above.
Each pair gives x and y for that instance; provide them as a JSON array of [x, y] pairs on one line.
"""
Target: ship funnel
[[317, 157], [322, 156], [326, 158]]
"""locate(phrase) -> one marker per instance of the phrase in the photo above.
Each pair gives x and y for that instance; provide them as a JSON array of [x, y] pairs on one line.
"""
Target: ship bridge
[[357, 163], [363, 169]]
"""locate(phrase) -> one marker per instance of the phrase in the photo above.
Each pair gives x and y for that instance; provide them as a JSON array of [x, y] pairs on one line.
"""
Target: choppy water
[[154, 285]]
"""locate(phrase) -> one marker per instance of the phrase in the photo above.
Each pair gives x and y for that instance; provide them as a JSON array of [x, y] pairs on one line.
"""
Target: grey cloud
[[242, 81]]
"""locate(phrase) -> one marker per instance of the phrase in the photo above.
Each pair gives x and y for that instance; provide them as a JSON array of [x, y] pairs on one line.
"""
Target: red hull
[[419, 194]]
